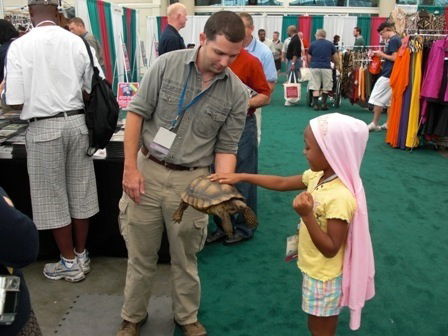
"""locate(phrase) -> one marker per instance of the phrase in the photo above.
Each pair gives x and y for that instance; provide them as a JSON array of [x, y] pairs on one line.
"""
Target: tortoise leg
[[178, 214], [249, 215], [226, 223]]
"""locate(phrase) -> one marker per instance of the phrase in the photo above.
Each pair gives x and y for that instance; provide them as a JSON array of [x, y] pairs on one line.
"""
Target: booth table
[[104, 236]]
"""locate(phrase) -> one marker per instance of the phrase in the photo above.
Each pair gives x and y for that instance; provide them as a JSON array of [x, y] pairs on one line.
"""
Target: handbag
[[375, 65], [305, 74], [291, 89], [101, 110]]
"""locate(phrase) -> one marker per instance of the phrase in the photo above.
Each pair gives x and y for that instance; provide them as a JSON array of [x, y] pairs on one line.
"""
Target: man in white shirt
[[47, 71]]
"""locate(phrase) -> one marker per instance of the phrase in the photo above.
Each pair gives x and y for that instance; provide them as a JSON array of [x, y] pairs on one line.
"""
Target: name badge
[[163, 141]]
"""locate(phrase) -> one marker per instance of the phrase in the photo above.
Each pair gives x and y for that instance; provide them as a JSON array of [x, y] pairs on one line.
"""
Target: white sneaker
[[384, 126], [373, 128], [287, 103], [83, 261], [61, 270]]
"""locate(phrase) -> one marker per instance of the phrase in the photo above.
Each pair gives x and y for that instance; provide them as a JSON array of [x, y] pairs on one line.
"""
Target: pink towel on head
[[343, 140]]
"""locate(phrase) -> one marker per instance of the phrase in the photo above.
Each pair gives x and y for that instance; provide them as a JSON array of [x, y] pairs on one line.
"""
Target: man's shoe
[[62, 270], [193, 329], [215, 237], [324, 107], [83, 261], [384, 126], [131, 329], [237, 238], [373, 128], [316, 107]]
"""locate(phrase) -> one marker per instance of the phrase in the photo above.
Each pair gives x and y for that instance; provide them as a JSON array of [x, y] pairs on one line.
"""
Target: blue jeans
[[247, 162]]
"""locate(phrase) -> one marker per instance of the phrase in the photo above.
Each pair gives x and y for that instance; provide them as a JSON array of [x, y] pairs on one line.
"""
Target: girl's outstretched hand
[[225, 178], [303, 204]]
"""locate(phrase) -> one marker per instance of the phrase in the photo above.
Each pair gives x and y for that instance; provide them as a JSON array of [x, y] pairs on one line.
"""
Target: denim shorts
[[321, 298]]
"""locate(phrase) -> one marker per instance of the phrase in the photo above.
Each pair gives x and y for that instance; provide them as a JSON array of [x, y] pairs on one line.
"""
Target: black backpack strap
[[95, 69]]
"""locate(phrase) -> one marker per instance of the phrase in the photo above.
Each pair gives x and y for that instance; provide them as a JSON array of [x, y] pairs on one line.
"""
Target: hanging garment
[[398, 17], [399, 79], [406, 104], [433, 76], [369, 80], [437, 110], [411, 137]]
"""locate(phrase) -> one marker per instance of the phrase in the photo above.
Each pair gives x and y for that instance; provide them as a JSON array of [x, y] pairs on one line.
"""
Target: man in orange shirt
[[249, 69]]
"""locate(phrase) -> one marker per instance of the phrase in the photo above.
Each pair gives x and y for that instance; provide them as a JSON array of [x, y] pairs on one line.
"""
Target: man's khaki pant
[[142, 226]]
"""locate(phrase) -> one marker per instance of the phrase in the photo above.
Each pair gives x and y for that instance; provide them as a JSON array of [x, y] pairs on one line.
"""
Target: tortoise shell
[[203, 193]]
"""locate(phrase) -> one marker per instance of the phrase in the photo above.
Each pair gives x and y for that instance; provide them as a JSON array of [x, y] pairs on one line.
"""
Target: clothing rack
[[367, 46]]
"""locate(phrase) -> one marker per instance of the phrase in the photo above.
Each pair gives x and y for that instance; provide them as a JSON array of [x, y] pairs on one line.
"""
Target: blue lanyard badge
[[180, 107]]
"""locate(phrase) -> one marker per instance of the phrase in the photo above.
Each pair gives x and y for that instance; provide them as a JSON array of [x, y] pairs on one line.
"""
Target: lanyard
[[180, 107]]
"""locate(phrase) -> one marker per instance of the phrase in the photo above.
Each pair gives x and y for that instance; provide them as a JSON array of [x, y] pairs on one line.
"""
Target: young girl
[[335, 251]]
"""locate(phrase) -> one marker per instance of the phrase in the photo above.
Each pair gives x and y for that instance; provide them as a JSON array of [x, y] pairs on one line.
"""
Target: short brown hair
[[77, 21], [225, 23], [248, 18], [357, 29], [386, 25]]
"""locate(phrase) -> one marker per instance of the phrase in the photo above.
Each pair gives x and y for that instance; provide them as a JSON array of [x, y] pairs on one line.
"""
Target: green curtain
[[365, 25], [318, 23], [438, 10], [94, 19], [288, 21], [134, 62], [110, 38]]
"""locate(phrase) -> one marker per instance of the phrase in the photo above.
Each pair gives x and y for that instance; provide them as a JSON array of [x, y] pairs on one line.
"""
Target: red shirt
[[249, 70]]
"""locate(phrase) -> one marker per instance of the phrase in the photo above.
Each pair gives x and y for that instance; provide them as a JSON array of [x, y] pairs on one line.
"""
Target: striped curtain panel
[[305, 26], [318, 23], [364, 23], [107, 33], [374, 36], [130, 40], [287, 21]]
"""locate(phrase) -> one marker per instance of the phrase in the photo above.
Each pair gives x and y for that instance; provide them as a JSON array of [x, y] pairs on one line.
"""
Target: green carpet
[[248, 290]]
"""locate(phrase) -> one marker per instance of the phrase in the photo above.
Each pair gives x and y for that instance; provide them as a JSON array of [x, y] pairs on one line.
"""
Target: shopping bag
[[305, 74], [291, 89]]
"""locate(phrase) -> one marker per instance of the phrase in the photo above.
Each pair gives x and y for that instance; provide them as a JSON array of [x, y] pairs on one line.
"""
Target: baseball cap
[[43, 2]]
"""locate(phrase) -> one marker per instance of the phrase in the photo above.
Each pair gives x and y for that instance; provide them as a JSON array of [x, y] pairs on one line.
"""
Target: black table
[[104, 236]]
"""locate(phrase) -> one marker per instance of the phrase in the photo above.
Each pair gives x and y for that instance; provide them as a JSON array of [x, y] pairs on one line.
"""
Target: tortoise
[[217, 199]]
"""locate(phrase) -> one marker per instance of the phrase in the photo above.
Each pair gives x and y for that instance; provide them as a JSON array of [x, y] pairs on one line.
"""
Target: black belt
[[59, 115], [168, 165]]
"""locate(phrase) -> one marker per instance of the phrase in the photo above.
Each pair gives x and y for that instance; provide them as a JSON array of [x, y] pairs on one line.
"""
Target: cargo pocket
[[209, 121], [201, 226], [123, 217]]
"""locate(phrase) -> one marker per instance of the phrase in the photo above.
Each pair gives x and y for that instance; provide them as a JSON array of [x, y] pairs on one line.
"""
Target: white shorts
[[381, 93]]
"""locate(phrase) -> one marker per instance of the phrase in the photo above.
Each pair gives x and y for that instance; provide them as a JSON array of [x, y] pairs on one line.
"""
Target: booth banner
[[127, 65], [125, 93]]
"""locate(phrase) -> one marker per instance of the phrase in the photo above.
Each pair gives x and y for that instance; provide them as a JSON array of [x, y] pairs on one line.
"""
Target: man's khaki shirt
[[212, 125]]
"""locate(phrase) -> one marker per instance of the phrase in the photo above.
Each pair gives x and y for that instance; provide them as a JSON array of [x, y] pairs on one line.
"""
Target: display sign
[[125, 93]]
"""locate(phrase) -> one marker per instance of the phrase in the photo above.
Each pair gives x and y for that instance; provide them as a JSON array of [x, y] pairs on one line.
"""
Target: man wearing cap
[[47, 71]]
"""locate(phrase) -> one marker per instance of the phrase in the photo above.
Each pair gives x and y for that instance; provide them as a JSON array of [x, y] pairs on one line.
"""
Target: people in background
[[19, 246], [62, 179], [289, 31], [8, 33], [170, 39], [334, 221], [360, 43], [336, 40], [382, 91], [249, 69], [320, 55], [262, 38], [77, 26], [294, 54], [277, 47], [264, 54], [207, 129]]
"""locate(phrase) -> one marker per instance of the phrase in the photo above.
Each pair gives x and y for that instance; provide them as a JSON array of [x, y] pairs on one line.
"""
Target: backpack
[[101, 110]]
